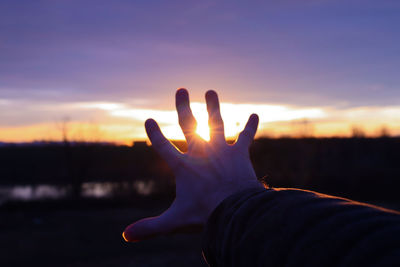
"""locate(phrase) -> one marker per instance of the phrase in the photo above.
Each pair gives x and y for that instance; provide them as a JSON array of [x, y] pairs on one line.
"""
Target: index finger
[[164, 147]]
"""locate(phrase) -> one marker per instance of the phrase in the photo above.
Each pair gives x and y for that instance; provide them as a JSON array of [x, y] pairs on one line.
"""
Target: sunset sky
[[315, 67]]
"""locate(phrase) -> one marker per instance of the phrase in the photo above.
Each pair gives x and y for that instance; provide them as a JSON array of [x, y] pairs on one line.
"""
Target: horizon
[[131, 143]]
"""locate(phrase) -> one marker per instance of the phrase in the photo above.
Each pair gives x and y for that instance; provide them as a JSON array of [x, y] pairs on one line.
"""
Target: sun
[[203, 131], [201, 116]]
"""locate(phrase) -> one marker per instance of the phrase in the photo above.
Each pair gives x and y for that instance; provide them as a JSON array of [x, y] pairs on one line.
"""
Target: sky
[[100, 68]]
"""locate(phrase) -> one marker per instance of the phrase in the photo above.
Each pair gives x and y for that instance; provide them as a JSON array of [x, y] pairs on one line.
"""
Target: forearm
[[277, 227]]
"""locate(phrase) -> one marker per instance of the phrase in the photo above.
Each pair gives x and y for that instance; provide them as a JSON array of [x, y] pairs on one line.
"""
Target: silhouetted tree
[[384, 132], [357, 132], [302, 128]]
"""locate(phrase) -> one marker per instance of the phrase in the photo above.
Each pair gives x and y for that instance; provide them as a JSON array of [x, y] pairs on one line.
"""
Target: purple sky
[[341, 54]]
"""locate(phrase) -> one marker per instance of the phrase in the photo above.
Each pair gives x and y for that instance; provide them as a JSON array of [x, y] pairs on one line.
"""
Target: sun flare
[[203, 131]]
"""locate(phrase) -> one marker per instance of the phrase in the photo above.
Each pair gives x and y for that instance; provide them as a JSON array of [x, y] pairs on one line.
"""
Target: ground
[[88, 237]]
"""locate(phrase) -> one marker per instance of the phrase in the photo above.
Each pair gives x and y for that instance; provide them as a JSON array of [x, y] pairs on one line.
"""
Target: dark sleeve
[[290, 227]]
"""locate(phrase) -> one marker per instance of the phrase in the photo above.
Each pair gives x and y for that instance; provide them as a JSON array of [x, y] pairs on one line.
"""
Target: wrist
[[218, 197]]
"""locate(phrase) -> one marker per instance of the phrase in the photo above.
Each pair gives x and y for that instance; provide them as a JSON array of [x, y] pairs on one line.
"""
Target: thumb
[[148, 228]]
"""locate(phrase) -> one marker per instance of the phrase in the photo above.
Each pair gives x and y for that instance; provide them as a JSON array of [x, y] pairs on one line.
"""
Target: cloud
[[123, 122]]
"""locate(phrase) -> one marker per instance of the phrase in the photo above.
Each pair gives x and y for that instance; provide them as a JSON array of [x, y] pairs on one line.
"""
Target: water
[[90, 189]]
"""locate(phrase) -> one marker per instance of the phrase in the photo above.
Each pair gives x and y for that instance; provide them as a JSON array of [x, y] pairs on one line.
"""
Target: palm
[[205, 175]]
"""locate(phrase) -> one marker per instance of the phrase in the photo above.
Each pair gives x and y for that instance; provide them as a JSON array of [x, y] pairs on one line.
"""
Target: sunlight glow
[[203, 131], [101, 105], [235, 116], [123, 123]]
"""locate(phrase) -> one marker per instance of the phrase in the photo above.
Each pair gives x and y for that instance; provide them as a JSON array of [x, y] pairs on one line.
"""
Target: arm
[[290, 227]]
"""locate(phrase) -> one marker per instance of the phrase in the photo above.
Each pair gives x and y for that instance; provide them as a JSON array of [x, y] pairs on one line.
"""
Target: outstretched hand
[[205, 175]]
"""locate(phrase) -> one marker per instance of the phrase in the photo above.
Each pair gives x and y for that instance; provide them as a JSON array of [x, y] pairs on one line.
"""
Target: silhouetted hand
[[205, 175]]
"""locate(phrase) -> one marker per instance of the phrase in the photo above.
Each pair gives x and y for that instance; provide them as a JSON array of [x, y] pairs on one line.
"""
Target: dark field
[[88, 237], [84, 231]]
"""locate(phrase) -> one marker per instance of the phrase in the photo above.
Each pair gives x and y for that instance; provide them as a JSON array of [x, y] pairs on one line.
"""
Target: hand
[[205, 175]]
